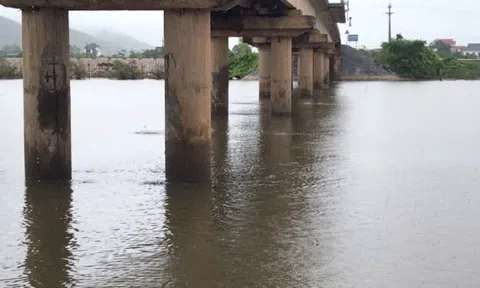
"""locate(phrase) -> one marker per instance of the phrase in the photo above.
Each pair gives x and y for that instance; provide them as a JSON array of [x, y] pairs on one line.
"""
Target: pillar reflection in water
[[220, 167], [219, 149], [279, 151], [190, 236], [48, 234]]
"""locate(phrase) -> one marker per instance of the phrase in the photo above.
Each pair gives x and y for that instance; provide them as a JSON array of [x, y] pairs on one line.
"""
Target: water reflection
[[221, 168], [303, 201], [219, 149], [190, 237], [48, 234]]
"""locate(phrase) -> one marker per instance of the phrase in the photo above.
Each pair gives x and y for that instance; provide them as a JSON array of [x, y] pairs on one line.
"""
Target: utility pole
[[389, 13]]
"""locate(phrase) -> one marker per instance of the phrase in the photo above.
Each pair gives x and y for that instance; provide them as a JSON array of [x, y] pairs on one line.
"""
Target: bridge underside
[[264, 7], [196, 69]]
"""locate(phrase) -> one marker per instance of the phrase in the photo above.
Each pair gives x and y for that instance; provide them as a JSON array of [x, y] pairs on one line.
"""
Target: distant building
[[458, 49], [472, 49], [448, 42]]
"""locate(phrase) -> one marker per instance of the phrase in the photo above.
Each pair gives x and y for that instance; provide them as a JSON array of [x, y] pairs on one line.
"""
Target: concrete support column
[[326, 71], [281, 75], [306, 72], [264, 72], [295, 69], [188, 88], [318, 67], [338, 67], [293, 72], [220, 76], [332, 69], [46, 83]]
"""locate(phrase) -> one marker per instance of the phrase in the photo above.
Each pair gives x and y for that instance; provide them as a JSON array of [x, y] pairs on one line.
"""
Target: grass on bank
[[461, 69], [9, 71]]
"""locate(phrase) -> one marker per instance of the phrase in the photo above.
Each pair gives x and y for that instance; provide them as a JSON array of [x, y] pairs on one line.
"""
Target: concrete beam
[[220, 22], [251, 26], [337, 12], [117, 4], [316, 36], [257, 32], [313, 39], [327, 47], [289, 3], [260, 40], [229, 5]]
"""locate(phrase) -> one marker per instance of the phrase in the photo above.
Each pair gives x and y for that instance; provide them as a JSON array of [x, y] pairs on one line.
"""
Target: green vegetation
[[76, 52], [78, 71], [152, 53], [413, 59], [9, 71], [11, 51], [124, 71], [460, 69], [242, 61]]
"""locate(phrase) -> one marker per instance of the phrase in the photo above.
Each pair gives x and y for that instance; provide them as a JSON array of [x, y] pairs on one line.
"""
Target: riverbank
[[352, 78], [93, 68]]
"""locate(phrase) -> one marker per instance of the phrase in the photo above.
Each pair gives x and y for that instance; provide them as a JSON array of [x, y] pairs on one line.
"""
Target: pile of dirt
[[356, 64]]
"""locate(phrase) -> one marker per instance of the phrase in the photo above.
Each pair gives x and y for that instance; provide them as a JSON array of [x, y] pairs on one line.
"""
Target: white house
[[472, 48]]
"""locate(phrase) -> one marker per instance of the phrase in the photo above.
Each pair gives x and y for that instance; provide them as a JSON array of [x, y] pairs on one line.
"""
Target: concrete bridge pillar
[[281, 75], [306, 72], [318, 67], [326, 71], [46, 83], [188, 89], [333, 71], [338, 67], [264, 72], [220, 76], [295, 69]]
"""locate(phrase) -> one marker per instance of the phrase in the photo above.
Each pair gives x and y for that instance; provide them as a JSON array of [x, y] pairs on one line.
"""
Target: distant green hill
[[111, 42]]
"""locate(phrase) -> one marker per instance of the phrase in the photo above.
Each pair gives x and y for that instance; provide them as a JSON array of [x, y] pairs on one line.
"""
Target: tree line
[[76, 52], [242, 61]]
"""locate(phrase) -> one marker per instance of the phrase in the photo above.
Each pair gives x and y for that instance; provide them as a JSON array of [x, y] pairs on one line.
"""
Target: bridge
[[196, 67]]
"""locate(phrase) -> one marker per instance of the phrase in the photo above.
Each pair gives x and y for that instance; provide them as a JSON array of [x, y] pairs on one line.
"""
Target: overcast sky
[[419, 19]]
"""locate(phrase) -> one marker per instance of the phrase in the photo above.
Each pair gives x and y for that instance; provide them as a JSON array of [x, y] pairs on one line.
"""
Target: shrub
[[78, 71], [9, 71], [242, 65], [125, 71]]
